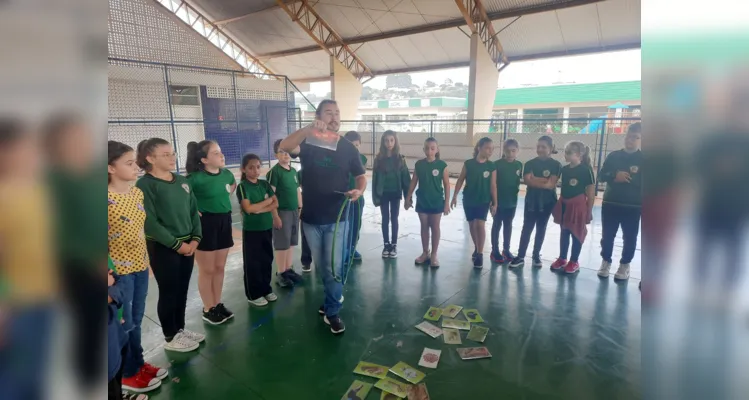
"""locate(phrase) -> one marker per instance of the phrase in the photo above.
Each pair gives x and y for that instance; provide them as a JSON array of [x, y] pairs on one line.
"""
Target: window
[[184, 95]]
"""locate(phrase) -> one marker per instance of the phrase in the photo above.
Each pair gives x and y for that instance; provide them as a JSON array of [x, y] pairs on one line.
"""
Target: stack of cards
[[472, 353], [392, 386], [369, 369], [478, 334], [451, 336], [451, 311], [357, 391], [418, 392], [430, 358], [429, 329], [456, 324], [408, 372]]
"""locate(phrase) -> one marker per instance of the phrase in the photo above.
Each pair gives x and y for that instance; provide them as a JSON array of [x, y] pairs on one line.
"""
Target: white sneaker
[[623, 272], [259, 302], [605, 269], [271, 297], [194, 336], [181, 343]]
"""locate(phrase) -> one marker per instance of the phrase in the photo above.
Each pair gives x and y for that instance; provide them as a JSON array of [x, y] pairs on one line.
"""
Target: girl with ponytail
[[480, 194], [575, 206]]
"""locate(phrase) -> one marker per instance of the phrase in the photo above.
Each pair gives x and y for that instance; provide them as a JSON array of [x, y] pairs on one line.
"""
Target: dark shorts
[[476, 212], [217, 234], [288, 235], [431, 211]]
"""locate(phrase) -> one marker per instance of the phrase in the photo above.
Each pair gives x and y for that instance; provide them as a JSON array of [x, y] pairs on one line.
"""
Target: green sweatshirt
[[622, 193], [386, 178], [171, 210]]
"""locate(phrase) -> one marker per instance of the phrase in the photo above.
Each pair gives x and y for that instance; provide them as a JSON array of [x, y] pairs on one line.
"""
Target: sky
[[591, 68]]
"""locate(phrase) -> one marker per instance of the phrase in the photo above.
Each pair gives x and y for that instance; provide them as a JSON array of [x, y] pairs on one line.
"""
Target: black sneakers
[[537, 261], [386, 251], [393, 250], [517, 262], [478, 261], [213, 317], [283, 281], [336, 324], [306, 267], [292, 276], [222, 310]]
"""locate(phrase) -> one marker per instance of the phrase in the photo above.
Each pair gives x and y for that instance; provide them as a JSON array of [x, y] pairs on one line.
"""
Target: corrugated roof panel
[[504, 5], [531, 34], [455, 44], [580, 27], [620, 21], [218, 10], [438, 8], [380, 55], [269, 31], [302, 66], [346, 21]]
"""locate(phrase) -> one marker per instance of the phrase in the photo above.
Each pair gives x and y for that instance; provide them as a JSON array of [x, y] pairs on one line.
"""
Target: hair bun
[[192, 146]]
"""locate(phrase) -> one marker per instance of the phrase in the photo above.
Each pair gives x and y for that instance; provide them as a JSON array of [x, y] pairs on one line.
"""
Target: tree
[[398, 81], [430, 84], [366, 93], [459, 84], [448, 82]]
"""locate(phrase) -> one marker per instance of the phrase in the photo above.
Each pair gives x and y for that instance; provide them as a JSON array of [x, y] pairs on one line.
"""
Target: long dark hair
[[196, 152], [383, 153], [481, 143], [432, 139], [549, 141], [115, 150], [246, 160], [145, 149], [580, 148]]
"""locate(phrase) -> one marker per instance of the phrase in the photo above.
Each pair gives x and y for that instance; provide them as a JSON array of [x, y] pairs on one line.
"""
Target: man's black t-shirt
[[325, 173]]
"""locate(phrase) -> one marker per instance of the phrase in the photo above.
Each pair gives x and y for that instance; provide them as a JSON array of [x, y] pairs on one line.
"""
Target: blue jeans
[[320, 239], [24, 354], [352, 234], [134, 289]]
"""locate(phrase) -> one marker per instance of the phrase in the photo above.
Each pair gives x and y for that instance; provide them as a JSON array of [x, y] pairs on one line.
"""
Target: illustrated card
[[429, 329], [388, 396], [433, 314], [456, 324], [472, 353], [473, 315], [430, 357], [418, 392], [392, 386], [325, 139], [357, 391], [478, 333], [369, 369], [451, 311], [408, 372], [451, 336]]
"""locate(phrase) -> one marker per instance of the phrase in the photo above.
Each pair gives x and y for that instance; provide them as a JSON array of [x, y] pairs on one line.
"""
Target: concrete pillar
[[565, 123], [482, 86], [345, 90]]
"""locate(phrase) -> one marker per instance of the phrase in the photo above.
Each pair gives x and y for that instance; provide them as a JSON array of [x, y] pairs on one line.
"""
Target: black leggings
[[534, 219], [390, 207], [503, 217], [257, 252], [172, 272]]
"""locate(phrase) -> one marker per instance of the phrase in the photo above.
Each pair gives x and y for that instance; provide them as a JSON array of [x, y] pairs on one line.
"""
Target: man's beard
[[338, 126]]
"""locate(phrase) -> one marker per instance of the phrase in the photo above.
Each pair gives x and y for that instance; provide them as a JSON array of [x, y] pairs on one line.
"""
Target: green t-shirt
[[212, 191], [352, 179], [431, 193], [539, 199], [508, 182], [286, 182], [255, 193], [576, 179], [478, 182]]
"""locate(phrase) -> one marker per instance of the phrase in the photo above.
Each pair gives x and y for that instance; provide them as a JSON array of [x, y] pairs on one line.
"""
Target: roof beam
[[305, 15], [475, 15], [454, 23]]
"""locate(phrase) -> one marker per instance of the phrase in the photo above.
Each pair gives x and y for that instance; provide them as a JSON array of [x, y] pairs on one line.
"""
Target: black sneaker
[[306, 267], [336, 324], [283, 281], [496, 257], [386, 251], [291, 275], [507, 255], [321, 311], [213, 317], [517, 262], [393, 251], [537, 261], [473, 256], [221, 309], [478, 262]]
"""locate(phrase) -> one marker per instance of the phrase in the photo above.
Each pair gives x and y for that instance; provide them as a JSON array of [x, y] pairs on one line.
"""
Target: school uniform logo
[[633, 169], [435, 172], [486, 174], [517, 172], [186, 187], [573, 182], [546, 173], [228, 188], [266, 195]]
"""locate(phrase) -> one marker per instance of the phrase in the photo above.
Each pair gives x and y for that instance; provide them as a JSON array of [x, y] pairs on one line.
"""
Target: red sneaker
[[154, 371], [572, 267], [140, 382], [559, 264]]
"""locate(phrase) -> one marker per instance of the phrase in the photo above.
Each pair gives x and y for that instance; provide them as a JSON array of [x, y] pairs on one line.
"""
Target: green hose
[[349, 247]]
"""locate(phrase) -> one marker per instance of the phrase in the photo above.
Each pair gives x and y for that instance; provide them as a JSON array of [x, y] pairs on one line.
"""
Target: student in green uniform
[[355, 138], [258, 201], [212, 185], [540, 175], [574, 209], [284, 181], [431, 174], [479, 196], [173, 232], [622, 202], [390, 182], [509, 170]]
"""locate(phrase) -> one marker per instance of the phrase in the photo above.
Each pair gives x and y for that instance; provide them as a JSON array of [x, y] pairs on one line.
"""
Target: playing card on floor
[[357, 391], [408, 372], [451, 336], [472, 353], [388, 396], [478, 333], [451, 311], [418, 392], [473, 315], [430, 358], [429, 329], [369, 369], [390, 385], [456, 324], [433, 314]]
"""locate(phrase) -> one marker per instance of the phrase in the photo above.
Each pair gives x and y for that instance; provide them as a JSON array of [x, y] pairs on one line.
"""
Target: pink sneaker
[[572, 267], [559, 264]]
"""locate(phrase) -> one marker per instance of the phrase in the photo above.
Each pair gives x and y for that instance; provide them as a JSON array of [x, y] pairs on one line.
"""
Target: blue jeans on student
[[134, 289], [320, 239], [354, 226], [24, 354]]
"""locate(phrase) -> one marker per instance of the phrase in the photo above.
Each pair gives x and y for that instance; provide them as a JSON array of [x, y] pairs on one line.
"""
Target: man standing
[[326, 178]]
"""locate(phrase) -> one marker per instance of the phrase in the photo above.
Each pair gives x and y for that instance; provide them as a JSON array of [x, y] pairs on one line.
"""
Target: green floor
[[552, 336]]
